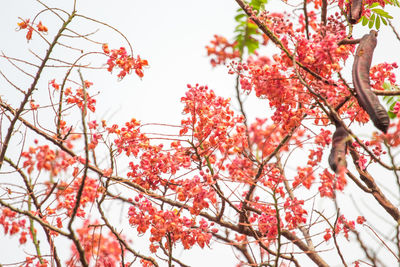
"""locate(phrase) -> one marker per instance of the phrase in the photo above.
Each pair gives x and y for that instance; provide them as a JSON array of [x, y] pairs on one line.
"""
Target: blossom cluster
[[222, 50], [26, 24], [119, 58]]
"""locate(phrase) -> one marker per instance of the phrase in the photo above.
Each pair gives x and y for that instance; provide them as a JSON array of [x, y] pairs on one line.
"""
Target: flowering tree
[[269, 188]]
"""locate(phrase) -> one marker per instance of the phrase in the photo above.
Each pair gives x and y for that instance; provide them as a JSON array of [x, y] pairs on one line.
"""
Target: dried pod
[[337, 158], [366, 98], [354, 14]]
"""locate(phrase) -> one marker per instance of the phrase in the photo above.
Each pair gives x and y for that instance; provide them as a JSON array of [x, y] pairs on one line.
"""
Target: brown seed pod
[[337, 158], [354, 14], [366, 98]]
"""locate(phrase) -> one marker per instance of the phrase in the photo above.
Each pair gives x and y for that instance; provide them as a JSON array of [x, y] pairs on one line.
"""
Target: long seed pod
[[354, 14], [366, 98], [337, 158]]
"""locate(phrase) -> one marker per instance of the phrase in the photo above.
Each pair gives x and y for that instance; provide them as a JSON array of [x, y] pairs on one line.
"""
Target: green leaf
[[239, 38], [379, 11], [238, 30], [251, 26], [390, 100], [364, 21], [258, 4], [382, 13], [384, 21], [240, 16], [387, 86], [377, 22], [394, 103], [371, 21], [252, 45], [391, 115]]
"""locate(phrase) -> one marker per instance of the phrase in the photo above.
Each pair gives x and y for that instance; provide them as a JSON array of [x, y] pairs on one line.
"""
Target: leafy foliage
[[378, 15], [245, 30], [391, 101]]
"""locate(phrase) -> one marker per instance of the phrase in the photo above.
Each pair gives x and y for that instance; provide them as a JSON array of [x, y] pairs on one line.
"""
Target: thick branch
[[324, 8], [375, 191]]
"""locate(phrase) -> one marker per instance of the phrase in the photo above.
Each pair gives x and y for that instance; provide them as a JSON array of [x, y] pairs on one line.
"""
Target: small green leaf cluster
[[378, 15], [245, 30]]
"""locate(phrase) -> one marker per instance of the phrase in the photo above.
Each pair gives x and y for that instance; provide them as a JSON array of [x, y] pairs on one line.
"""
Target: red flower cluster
[[120, 58], [79, 96], [266, 136], [211, 122], [268, 225], [222, 50], [66, 194], [153, 160], [343, 225], [99, 245], [44, 158], [12, 224], [199, 193], [294, 213], [382, 73], [143, 215], [25, 24]]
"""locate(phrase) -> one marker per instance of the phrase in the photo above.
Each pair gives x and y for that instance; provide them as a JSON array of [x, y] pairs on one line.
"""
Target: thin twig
[[383, 242], [31, 89], [393, 29]]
